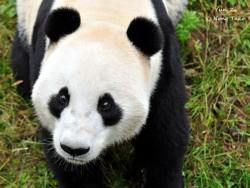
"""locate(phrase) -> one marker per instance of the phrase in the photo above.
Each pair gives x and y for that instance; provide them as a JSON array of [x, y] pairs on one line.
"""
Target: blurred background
[[215, 46]]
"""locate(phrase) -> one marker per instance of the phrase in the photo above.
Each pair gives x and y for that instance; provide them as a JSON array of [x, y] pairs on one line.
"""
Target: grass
[[218, 74], [217, 63]]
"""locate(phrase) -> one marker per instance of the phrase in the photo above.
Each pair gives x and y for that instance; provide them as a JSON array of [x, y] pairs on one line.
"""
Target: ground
[[216, 58]]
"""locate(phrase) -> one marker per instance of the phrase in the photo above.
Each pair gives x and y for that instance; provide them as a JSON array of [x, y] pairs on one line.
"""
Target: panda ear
[[145, 35], [62, 22]]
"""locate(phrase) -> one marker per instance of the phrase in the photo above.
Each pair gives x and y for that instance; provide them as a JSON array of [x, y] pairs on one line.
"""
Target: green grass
[[216, 58]]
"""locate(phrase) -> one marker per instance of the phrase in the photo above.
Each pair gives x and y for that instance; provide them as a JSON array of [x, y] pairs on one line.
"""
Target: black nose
[[74, 151]]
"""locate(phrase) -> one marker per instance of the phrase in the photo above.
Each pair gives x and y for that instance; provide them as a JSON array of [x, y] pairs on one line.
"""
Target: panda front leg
[[160, 160], [160, 147], [69, 175]]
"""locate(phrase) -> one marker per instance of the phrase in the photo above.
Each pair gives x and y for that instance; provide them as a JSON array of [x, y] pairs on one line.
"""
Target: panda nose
[[75, 151]]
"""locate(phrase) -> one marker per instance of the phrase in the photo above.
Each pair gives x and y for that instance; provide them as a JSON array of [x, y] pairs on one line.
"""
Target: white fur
[[96, 59], [27, 11], [89, 71], [175, 9]]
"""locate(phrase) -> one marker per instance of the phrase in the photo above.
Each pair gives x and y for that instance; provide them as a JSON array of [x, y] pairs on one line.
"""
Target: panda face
[[95, 84], [92, 92]]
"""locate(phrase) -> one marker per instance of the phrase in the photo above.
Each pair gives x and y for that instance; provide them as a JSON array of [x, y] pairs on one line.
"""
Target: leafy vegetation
[[216, 58]]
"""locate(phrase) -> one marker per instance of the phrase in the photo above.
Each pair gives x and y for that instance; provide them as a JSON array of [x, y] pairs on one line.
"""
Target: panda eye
[[63, 100], [105, 103], [110, 111], [59, 102]]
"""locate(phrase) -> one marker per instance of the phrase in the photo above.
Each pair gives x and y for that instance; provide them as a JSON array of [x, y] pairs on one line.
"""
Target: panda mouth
[[76, 160]]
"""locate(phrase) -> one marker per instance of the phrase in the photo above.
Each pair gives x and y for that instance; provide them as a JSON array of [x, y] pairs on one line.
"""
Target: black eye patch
[[59, 102], [111, 113]]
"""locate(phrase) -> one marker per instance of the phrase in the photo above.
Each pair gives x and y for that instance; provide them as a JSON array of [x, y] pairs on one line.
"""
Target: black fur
[[166, 129], [59, 102], [112, 113], [145, 35], [20, 65], [62, 22], [37, 48]]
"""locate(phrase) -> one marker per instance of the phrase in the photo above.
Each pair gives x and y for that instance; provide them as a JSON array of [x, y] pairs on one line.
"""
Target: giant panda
[[100, 73]]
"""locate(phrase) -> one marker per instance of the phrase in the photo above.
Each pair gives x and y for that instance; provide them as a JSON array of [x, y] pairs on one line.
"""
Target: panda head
[[94, 84]]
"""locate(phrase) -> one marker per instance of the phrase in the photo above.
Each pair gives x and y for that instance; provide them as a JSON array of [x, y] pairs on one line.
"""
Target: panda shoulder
[[27, 11]]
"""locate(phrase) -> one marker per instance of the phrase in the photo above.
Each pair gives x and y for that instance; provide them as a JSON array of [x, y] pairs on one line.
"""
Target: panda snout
[[74, 151]]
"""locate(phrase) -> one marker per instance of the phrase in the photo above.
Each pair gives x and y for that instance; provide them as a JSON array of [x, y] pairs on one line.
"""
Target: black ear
[[62, 22], [145, 35]]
